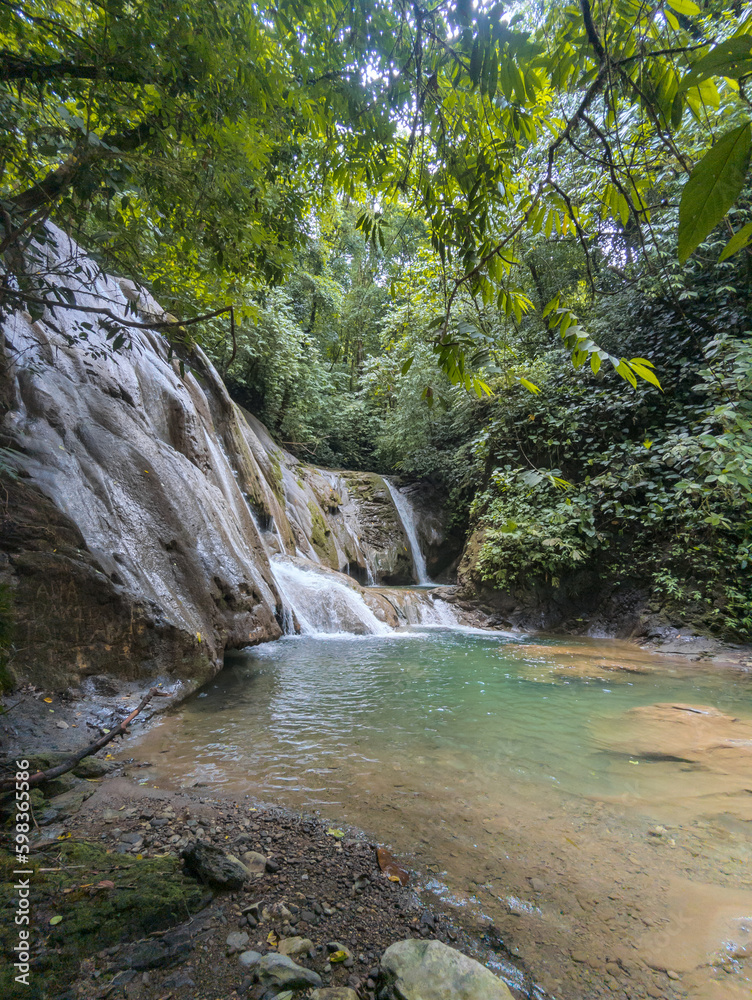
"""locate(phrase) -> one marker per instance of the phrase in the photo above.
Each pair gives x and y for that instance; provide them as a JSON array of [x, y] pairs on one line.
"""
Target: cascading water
[[322, 604], [407, 517]]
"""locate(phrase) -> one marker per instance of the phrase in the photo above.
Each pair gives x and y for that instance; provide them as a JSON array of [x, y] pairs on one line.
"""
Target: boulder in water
[[430, 970]]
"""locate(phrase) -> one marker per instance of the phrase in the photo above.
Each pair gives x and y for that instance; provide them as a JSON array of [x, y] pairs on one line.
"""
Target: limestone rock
[[294, 946], [281, 971], [254, 861], [430, 970], [213, 867]]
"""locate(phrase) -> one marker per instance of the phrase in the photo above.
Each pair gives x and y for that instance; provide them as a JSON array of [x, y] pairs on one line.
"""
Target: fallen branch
[[7, 784]]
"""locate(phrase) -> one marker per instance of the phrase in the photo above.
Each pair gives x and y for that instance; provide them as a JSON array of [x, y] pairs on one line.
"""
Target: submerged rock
[[430, 970]]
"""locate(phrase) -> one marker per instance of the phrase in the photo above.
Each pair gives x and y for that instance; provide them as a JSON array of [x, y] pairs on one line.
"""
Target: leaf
[[48, 700], [712, 188], [54, 921], [730, 58], [738, 241], [272, 938], [389, 866], [338, 956], [530, 386], [686, 7], [406, 366], [595, 363], [335, 833], [105, 884]]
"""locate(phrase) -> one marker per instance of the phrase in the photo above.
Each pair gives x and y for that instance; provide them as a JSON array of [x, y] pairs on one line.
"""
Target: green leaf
[[54, 921], [406, 366], [339, 834], [731, 58], [712, 188], [476, 62], [530, 386], [738, 241], [686, 7], [595, 363]]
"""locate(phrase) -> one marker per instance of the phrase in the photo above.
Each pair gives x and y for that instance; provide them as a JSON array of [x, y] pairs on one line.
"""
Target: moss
[[277, 483], [149, 894], [321, 536]]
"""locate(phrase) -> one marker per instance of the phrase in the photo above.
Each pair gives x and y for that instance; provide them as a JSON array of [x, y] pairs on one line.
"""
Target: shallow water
[[487, 760]]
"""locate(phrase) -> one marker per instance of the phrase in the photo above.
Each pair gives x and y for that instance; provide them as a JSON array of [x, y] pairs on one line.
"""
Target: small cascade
[[407, 517], [322, 604]]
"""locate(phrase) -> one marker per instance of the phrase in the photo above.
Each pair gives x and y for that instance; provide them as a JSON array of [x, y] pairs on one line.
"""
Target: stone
[[254, 862], [430, 970], [132, 838], [70, 802], [177, 980], [124, 977], [249, 959], [237, 941], [281, 971], [210, 865], [92, 767], [294, 946], [275, 913], [334, 993], [537, 884]]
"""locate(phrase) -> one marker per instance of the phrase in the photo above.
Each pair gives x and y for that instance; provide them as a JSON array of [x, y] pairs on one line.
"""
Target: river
[[519, 776]]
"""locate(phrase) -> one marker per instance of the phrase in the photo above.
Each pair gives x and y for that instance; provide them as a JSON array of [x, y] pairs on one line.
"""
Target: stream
[[528, 781]]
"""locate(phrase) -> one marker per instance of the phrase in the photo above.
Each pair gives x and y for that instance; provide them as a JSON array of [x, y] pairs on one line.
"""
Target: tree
[[215, 130]]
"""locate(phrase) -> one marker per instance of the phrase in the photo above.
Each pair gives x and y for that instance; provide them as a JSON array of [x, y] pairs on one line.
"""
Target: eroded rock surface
[[144, 506]]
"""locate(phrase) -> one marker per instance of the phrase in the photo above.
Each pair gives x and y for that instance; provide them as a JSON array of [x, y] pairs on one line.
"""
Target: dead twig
[[7, 784]]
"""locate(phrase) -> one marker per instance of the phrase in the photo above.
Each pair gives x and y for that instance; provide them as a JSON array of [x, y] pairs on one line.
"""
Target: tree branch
[[15, 67], [8, 784]]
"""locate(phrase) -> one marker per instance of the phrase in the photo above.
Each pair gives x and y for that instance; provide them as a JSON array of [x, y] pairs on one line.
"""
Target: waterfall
[[322, 604], [407, 517]]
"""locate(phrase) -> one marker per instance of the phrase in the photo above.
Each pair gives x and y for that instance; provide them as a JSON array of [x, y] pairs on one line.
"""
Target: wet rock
[[430, 970], [281, 971], [294, 946], [213, 867]]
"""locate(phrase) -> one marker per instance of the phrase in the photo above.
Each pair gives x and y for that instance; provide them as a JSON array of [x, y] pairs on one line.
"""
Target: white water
[[322, 604], [407, 516]]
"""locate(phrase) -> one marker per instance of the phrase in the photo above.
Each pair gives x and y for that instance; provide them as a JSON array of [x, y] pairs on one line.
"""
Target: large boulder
[[430, 970], [280, 971], [213, 867]]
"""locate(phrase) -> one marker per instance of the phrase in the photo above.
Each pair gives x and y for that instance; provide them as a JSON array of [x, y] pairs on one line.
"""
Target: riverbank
[[316, 894], [623, 895]]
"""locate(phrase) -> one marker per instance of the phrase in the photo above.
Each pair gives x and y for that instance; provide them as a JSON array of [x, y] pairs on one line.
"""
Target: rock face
[[430, 970], [143, 506]]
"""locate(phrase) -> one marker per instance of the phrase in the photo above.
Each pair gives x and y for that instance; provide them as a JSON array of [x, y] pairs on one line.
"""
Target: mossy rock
[[149, 894]]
